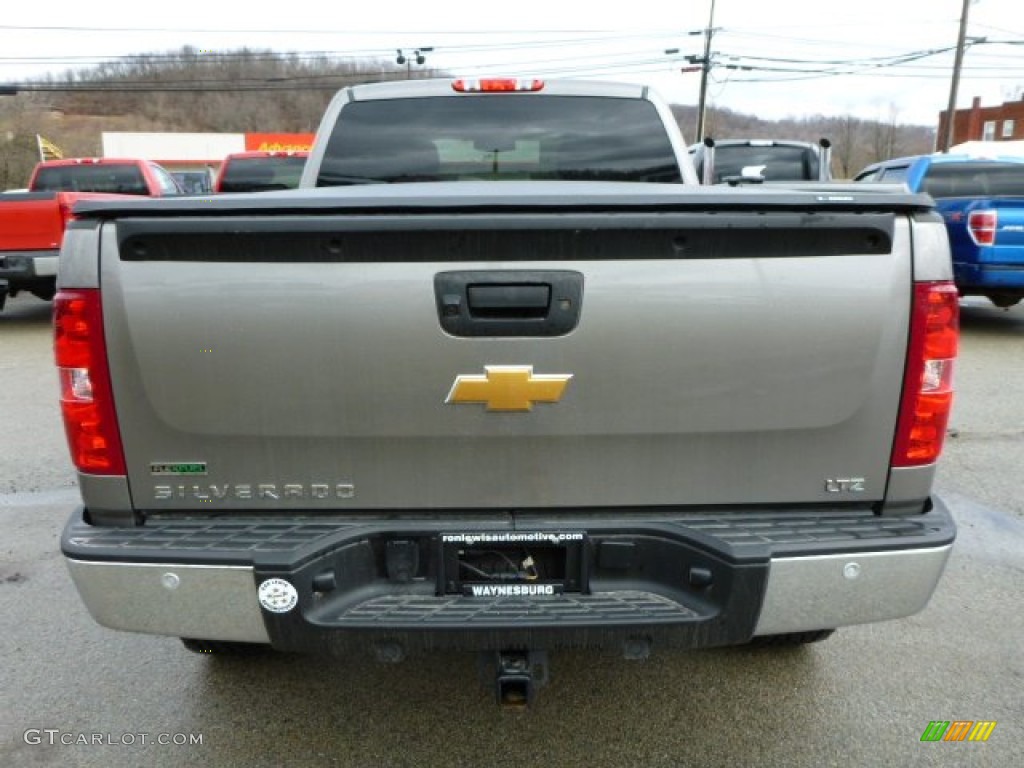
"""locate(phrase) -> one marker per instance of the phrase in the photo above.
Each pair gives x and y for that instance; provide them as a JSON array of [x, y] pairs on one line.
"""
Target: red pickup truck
[[32, 223]]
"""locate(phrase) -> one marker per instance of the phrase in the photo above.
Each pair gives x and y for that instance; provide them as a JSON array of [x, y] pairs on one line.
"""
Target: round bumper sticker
[[278, 595]]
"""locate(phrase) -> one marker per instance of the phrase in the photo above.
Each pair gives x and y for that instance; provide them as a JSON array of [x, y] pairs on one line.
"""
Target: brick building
[[1002, 123]]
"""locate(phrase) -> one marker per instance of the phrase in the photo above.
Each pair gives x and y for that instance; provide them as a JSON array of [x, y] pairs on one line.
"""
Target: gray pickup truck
[[502, 377]]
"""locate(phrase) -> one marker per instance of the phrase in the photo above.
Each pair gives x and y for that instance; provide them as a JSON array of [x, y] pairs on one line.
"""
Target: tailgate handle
[[509, 302]]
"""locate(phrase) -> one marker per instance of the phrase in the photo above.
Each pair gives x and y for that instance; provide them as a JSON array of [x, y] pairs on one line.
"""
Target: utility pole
[[706, 67], [703, 63], [957, 65]]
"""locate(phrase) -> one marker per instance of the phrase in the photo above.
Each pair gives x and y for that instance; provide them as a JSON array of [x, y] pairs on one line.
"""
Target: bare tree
[[846, 139], [18, 149]]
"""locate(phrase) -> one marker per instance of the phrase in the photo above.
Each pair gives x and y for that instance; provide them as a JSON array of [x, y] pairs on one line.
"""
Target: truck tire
[[1004, 300], [46, 292], [223, 647], [792, 638]]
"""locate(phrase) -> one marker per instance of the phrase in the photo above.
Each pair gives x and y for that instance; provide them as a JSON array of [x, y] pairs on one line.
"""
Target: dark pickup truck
[[981, 199], [735, 161], [260, 171], [501, 376]]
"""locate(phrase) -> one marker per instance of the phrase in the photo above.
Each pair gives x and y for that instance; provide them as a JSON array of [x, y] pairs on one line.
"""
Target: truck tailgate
[[300, 360], [998, 240], [30, 221]]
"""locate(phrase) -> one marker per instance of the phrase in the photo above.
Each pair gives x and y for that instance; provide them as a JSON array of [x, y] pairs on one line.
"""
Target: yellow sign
[[48, 150], [509, 388]]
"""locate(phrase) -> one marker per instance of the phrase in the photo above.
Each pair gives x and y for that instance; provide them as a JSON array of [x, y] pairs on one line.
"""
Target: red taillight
[[496, 85], [928, 383], [982, 226], [64, 208], [86, 397]]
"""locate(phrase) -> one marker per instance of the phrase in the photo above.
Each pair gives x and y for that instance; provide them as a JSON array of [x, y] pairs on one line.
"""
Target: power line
[[767, 68]]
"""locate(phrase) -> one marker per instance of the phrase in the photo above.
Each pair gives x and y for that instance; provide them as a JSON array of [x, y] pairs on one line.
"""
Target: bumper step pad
[[627, 606]]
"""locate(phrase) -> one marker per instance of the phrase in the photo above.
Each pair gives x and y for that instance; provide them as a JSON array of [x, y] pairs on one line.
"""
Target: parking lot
[[76, 694]]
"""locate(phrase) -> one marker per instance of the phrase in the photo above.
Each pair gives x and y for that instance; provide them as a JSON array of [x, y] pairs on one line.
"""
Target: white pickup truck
[[502, 376]]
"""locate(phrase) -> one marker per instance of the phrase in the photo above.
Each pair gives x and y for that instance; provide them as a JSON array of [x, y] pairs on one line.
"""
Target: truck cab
[[260, 171], [119, 176], [761, 160]]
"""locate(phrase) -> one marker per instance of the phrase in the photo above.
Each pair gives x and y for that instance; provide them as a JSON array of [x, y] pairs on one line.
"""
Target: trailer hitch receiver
[[517, 675]]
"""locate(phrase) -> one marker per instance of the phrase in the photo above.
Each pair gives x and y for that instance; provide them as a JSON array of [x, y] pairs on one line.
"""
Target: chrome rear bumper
[[678, 581]]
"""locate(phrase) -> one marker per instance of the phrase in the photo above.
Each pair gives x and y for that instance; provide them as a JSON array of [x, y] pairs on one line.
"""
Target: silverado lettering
[[270, 491]]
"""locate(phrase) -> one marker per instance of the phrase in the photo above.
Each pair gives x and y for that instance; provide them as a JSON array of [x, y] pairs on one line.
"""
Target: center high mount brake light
[[496, 85]]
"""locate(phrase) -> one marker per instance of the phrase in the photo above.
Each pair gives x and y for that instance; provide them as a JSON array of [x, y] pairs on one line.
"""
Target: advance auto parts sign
[[278, 142]]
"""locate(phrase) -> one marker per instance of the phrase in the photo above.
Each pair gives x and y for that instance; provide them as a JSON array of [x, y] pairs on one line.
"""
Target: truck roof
[[919, 172], [404, 89], [940, 158], [256, 154], [91, 161]]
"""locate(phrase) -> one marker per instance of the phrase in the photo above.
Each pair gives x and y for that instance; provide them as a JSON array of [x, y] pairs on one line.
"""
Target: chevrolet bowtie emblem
[[509, 388]]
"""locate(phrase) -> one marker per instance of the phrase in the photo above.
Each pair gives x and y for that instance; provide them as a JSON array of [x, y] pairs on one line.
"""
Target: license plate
[[512, 563]]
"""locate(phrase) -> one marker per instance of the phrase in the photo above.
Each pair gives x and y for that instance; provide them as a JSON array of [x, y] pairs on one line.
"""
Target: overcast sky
[[773, 59]]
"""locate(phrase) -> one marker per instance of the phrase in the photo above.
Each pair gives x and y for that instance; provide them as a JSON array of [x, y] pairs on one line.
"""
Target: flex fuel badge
[[278, 595], [177, 468]]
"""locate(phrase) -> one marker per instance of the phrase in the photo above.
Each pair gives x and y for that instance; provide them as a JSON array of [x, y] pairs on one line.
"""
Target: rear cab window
[[167, 183], [508, 137], [120, 178], [974, 180], [895, 175], [780, 162], [261, 174]]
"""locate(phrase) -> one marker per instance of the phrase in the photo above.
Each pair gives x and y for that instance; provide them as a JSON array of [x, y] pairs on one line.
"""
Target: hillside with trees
[[260, 90]]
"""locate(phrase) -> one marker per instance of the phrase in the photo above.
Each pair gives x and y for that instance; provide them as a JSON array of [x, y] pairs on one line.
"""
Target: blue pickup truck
[[982, 203]]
